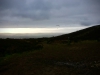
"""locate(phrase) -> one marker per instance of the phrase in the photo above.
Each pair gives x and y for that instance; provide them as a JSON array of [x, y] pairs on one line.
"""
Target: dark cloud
[[11, 4], [48, 12]]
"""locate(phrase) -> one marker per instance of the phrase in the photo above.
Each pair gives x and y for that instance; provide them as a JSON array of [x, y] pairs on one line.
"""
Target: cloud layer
[[48, 13]]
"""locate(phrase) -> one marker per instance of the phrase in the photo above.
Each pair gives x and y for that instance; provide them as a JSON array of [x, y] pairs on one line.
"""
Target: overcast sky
[[46, 17], [48, 13]]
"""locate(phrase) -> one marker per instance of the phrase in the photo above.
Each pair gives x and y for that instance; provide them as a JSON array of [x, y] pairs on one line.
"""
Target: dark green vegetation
[[10, 46], [52, 56]]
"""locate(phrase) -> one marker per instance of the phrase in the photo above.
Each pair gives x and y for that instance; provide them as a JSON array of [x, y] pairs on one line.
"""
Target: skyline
[[36, 32], [41, 30]]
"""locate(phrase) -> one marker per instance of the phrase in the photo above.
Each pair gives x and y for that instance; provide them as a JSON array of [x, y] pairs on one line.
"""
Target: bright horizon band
[[40, 30]]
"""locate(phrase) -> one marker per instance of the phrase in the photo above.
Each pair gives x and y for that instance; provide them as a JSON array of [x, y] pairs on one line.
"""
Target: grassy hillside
[[91, 33], [55, 59]]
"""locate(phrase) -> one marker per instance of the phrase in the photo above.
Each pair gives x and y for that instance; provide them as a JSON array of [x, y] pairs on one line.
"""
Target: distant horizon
[[41, 30], [36, 32]]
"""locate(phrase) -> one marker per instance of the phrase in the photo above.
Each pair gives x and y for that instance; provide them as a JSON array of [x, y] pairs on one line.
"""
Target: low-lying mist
[[28, 35]]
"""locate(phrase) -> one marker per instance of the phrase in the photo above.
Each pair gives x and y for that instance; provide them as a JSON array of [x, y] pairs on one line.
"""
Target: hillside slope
[[91, 33]]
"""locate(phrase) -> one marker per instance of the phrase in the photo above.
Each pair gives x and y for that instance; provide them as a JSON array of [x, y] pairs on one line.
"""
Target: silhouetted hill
[[91, 33]]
